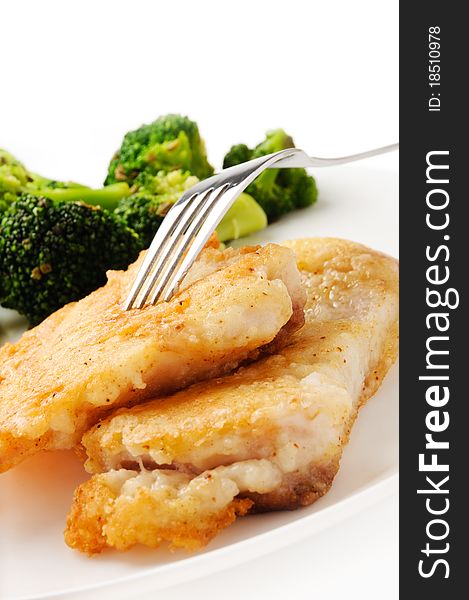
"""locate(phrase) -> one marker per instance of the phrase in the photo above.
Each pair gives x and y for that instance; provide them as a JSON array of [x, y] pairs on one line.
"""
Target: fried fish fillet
[[91, 356], [269, 436]]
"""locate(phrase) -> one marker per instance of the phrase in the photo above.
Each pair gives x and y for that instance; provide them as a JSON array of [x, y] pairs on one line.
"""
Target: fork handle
[[298, 158]]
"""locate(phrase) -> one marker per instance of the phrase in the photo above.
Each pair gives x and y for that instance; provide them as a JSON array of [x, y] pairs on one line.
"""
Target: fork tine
[[194, 217], [165, 229], [186, 240], [213, 216], [165, 240], [169, 242]]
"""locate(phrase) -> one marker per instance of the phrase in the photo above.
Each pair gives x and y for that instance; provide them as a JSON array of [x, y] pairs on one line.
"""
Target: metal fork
[[194, 217]]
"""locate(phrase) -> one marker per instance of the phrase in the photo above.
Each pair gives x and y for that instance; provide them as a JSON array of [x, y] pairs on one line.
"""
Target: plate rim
[[384, 486], [191, 568]]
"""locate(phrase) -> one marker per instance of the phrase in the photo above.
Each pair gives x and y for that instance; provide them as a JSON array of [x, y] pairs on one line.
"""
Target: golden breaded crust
[[302, 489], [311, 389], [99, 519], [91, 356], [339, 277]]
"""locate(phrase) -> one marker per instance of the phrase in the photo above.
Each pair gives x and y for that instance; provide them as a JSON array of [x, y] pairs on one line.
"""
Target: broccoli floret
[[237, 154], [16, 180], [153, 195], [151, 198], [278, 191], [53, 252], [275, 140], [170, 143]]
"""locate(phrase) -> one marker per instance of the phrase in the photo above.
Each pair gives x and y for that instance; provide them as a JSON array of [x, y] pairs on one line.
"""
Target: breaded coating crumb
[[100, 518]]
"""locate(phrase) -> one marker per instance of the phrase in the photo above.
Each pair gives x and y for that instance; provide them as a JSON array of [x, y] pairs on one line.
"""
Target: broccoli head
[[170, 143], [16, 180], [151, 198], [278, 191], [237, 154], [53, 252], [153, 195]]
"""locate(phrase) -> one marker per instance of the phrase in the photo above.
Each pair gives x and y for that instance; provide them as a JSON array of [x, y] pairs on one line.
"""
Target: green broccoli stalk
[[278, 191], [53, 252], [245, 216], [172, 142], [153, 195], [16, 180], [106, 197]]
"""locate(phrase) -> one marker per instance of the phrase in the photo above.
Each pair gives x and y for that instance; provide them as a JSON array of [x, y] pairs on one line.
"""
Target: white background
[[75, 76]]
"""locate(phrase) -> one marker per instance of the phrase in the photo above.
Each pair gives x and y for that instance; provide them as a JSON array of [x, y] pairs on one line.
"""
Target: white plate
[[358, 203]]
